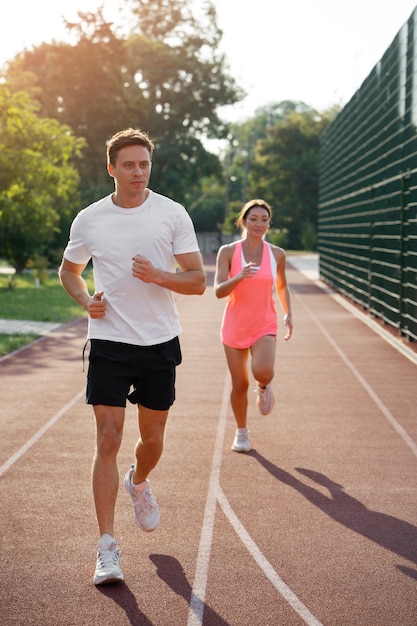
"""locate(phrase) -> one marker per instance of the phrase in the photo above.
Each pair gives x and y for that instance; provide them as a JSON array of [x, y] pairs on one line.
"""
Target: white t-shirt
[[137, 313]]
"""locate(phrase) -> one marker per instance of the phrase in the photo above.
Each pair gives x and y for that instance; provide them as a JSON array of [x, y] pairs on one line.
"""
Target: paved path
[[22, 327], [307, 264], [316, 525]]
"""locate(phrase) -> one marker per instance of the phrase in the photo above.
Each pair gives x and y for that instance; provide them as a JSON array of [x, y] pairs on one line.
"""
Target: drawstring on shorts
[[83, 356]]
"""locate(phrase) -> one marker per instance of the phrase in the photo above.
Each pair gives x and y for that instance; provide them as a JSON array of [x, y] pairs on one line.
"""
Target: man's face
[[132, 169]]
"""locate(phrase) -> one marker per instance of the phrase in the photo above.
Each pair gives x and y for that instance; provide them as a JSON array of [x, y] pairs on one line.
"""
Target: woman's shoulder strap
[[274, 264]]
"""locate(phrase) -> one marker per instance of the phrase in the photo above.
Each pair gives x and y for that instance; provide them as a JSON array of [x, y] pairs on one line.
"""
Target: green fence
[[368, 190]]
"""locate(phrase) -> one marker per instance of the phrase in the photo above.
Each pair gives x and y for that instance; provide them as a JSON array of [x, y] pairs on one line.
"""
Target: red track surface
[[317, 525]]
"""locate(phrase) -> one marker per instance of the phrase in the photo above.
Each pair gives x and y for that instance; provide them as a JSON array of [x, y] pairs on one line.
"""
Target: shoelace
[[263, 395], [145, 500], [109, 556], [242, 437]]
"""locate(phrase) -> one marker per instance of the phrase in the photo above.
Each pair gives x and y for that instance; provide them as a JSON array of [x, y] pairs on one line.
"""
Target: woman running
[[246, 273]]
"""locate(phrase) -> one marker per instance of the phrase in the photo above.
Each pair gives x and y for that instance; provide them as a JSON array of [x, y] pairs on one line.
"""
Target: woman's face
[[257, 221]]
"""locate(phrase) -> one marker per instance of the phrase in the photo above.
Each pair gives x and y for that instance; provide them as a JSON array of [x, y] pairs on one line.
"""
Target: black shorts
[[142, 374]]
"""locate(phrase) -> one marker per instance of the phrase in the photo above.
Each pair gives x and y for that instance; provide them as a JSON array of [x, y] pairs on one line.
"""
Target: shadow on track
[[121, 595], [396, 535], [169, 570]]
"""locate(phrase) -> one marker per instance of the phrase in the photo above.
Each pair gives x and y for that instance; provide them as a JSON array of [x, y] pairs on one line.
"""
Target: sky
[[315, 51]]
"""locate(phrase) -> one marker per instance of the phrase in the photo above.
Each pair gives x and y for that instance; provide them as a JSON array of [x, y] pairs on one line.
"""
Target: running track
[[317, 525]]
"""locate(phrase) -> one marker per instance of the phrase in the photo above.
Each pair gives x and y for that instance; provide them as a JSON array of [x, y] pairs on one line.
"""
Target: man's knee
[[108, 441], [109, 425], [153, 441]]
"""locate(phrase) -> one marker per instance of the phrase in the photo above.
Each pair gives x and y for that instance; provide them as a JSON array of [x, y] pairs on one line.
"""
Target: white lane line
[[16, 456], [384, 410], [264, 564], [215, 493], [198, 593]]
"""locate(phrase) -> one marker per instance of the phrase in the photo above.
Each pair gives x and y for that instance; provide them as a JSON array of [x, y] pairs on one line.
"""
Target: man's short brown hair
[[127, 137]]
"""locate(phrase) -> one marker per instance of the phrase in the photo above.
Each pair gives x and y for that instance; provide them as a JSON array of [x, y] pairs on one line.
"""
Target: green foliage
[[230, 227], [38, 182], [287, 172], [205, 204], [182, 79], [309, 236], [39, 265], [276, 157], [163, 75], [278, 237], [82, 86]]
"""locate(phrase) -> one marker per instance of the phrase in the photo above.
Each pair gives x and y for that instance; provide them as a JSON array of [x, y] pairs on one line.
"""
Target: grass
[[10, 343], [23, 300]]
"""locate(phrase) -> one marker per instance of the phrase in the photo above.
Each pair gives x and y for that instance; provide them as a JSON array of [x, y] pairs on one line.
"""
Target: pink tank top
[[250, 309]]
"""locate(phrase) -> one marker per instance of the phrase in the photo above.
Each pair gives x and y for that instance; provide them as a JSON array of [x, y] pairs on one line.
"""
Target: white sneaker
[[265, 400], [146, 509], [241, 441], [108, 562]]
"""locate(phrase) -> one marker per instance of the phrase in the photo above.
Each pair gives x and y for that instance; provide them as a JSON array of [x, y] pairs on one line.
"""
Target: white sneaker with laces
[[265, 400], [108, 562], [241, 441], [146, 510]]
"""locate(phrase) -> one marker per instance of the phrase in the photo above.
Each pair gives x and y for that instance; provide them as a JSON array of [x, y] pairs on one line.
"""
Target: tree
[[164, 76], [38, 180], [81, 85], [240, 150], [285, 172], [207, 210], [174, 57]]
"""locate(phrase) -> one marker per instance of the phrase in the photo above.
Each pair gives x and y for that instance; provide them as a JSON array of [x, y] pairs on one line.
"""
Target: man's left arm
[[191, 280]]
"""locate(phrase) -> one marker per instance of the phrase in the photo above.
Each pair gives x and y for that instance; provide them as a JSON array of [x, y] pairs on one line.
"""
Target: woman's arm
[[223, 285], [283, 291]]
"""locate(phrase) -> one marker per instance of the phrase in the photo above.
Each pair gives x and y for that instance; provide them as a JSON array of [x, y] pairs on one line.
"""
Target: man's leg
[[148, 452], [105, 474], [150, 443]]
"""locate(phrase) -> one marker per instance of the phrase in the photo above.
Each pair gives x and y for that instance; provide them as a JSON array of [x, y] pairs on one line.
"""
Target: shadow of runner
[[121, 594], [169, 570], [394, 534]]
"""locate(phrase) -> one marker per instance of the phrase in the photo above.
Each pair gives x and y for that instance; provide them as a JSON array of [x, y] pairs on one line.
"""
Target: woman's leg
[[237, 363], [263, 360]]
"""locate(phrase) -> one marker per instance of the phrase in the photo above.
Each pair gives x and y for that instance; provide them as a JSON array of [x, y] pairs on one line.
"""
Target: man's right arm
[[70, 275]]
